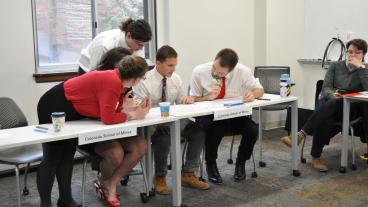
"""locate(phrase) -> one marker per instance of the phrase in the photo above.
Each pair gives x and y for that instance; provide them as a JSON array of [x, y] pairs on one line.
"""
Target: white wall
[[285, 44], [263, 32], [17, 57], [199, 29]]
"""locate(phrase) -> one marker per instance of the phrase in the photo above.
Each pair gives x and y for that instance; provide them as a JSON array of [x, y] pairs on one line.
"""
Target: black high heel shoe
[[61, 203]]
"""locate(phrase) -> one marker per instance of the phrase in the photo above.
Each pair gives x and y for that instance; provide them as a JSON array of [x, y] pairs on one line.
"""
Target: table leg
[[260, 136], [176, 162], [294, 142], [344, 141], [148, 160]]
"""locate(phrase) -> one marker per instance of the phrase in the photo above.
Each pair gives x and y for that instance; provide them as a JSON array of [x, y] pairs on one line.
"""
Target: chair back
[[319, 85], [10, 114], [269, 77]]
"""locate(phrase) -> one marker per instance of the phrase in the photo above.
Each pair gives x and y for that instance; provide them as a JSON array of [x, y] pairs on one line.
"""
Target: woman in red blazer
[[100, 95]]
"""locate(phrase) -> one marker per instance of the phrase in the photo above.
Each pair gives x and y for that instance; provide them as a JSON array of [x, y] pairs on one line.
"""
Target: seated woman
[[102, 95], [349, 75]]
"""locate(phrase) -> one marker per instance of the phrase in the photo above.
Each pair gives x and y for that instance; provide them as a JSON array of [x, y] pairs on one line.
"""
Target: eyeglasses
[[351, 52]]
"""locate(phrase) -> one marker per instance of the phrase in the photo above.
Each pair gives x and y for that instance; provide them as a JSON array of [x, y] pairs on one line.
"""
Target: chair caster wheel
[[202, 179], [124, 181], [144, 198], [303, 160], [262, 164], [296, 173], [230, 161], [25, 191], [254, 175], [353, 167], [342, 170], [152, 193]]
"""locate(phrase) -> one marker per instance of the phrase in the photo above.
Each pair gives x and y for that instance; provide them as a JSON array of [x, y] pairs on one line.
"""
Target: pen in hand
[[264, 99], [41, 127]]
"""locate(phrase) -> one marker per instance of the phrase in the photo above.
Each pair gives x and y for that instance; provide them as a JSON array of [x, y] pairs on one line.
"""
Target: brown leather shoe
[[189, 179], [287, 139], [161, 185], [318, 164]]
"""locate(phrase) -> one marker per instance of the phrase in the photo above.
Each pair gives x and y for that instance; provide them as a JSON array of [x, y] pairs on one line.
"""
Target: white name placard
[[107, 134], [231, 112]]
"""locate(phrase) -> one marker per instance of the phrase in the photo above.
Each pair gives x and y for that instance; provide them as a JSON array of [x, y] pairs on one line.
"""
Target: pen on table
[[39, 130], [264, 99], [43, 128], [234, 104]]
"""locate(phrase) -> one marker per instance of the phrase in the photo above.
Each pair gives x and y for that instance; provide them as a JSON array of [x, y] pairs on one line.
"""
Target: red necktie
[[163, 95], [223, 89]]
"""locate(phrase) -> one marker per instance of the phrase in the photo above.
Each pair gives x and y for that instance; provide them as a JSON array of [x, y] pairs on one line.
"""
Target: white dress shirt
[[152, 87], [103, 42], [239, 81]]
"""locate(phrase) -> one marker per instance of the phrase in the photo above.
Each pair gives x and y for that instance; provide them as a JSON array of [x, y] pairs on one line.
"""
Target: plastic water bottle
[[285, 85]]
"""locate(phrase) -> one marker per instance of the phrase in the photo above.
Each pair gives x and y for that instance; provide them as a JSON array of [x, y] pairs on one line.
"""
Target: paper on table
[[5, 135], [364, 93]]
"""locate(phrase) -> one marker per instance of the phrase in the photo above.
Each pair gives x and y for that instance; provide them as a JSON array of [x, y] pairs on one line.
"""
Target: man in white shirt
[[162, 84], [132, 34], [226, 78]]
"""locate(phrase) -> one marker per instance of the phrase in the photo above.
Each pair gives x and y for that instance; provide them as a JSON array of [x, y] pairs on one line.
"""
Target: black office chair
[[338, 125], [269, 77], [12, 117]]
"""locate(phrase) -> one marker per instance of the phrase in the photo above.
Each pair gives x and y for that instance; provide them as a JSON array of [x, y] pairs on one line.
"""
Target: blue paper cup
[[165, 109]]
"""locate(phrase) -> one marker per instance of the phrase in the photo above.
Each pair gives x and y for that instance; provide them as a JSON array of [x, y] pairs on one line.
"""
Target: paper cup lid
[[58, 114], [164, 103]]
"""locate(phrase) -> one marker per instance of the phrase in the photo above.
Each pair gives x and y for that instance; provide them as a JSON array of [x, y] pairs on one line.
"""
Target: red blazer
[[98, 94]]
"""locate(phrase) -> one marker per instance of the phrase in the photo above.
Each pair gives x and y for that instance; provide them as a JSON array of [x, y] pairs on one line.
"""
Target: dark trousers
[[216, 130], [325, 122], [57, 156]]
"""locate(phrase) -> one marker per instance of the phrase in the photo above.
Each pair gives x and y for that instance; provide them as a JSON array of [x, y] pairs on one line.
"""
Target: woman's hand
[[139, 113], [146, 103], [142, 110], [129, 102]]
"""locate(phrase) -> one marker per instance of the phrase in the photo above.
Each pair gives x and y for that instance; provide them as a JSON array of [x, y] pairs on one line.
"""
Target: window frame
[[61, 72]]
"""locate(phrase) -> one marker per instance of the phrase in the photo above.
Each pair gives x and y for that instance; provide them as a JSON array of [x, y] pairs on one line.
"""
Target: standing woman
[[133, 34], [111, 58], [98, 94]]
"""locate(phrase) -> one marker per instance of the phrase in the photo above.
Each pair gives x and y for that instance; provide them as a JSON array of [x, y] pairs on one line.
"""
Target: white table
[[345, 128]]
